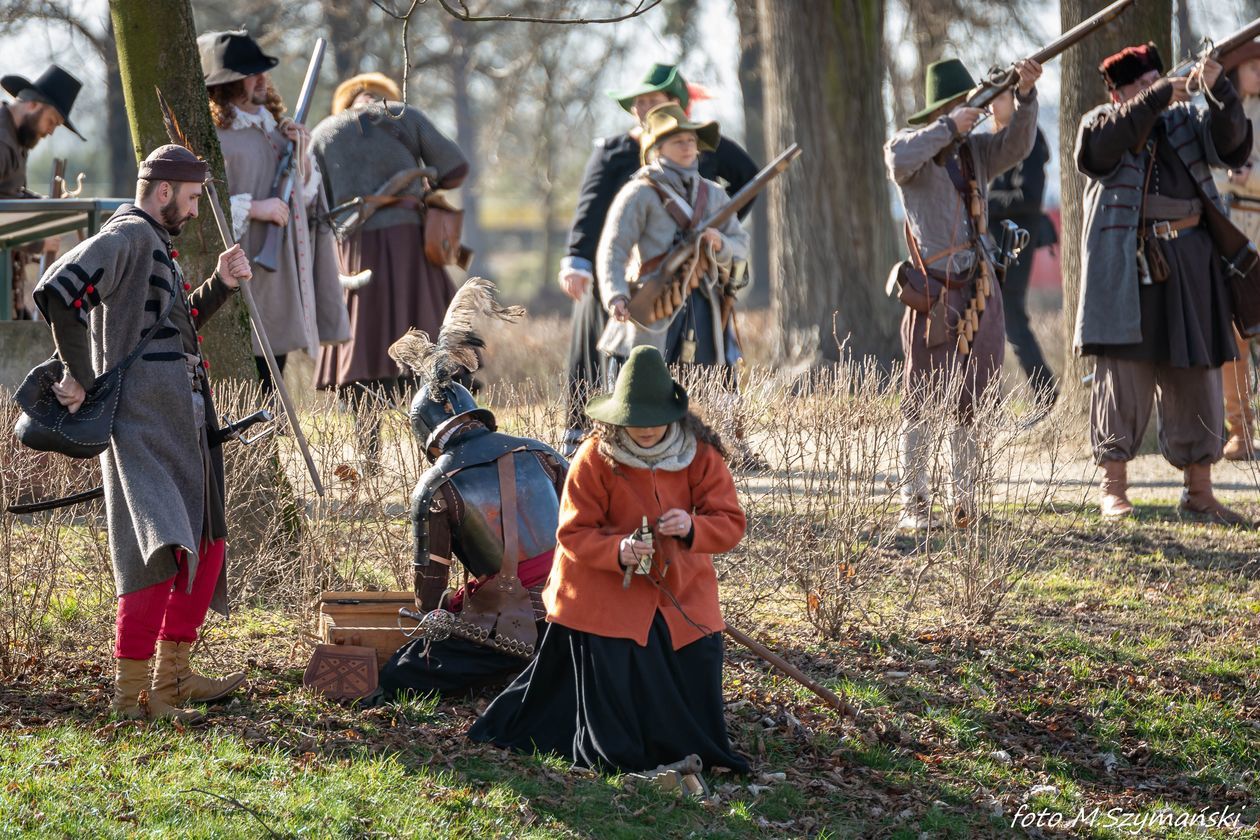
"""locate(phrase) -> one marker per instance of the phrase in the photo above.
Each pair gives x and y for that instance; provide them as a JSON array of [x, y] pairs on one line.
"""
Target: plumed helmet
[[435, 407]]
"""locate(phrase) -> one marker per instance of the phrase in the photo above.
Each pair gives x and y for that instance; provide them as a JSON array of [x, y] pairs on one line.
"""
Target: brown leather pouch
[[443, 227], [911, 286], [342, 672], [1156, 262]]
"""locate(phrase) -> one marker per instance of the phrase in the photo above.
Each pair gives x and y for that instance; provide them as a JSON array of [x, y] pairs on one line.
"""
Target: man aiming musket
[[953, 330], [1158, 301]]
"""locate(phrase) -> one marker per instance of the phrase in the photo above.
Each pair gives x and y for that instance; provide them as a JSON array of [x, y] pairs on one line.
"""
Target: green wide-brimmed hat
[[669, 118], [662, 77], [945, 82], [645, 394]]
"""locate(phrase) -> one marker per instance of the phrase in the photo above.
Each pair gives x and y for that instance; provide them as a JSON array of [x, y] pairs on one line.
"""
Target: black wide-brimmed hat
[[645, 394], [945, 82], [231, 56], [54, 87]]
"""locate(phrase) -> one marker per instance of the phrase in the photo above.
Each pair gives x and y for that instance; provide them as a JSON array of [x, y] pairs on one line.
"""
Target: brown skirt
[[405, 291]]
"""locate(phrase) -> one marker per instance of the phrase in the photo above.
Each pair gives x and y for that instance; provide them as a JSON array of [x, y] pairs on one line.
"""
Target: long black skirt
[[613, 705], [451, 666]]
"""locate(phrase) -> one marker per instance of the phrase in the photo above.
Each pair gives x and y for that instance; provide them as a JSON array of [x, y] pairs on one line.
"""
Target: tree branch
[[463, 13]]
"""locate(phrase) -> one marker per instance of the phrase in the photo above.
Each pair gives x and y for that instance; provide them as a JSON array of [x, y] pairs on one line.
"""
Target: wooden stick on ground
[[836, 702]]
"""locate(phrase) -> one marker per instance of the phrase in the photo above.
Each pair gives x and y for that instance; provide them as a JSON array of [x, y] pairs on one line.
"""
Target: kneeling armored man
[[492, 501]]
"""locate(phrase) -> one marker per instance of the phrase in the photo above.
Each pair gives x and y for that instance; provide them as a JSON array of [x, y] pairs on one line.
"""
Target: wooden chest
[[365, 618]]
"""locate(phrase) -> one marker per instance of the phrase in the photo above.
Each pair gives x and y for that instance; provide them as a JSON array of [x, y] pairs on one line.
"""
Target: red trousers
[[167, 610]]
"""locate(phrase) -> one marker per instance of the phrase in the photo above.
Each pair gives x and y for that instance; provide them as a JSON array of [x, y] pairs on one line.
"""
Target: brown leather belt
[[953, 281], [1171, 228]]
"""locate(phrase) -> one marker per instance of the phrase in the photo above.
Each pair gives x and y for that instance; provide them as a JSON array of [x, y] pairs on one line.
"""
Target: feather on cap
[[455, 351]]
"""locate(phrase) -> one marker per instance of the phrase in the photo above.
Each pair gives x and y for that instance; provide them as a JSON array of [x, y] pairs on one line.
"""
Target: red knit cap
[[1129, 65]]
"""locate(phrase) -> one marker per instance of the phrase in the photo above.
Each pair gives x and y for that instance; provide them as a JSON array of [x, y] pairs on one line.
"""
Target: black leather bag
[[46, 425]]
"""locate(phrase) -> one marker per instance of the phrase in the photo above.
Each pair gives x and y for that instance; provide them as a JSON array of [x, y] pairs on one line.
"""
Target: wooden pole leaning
[[255, 323], [790, 670], [176, 135]]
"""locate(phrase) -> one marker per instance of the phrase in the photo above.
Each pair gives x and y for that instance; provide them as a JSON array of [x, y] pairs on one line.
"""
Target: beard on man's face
[[168, 215], [259, 96], [28, 130]]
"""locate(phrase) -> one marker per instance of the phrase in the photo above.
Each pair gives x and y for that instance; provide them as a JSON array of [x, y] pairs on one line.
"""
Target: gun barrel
[[1080, 31], [1220, 49], [310, 81]]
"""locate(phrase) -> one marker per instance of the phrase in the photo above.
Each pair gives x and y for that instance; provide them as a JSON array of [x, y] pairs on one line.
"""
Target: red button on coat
[[174, 253], [205, 364], [90, 289], [195, 312], [200, 338], [187, 286], [78, 304]]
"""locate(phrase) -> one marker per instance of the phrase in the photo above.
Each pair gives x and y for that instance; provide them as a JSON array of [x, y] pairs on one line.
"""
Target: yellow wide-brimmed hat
[[375, 83]]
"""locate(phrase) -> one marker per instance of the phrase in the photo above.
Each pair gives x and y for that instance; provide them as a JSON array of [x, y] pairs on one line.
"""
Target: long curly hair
[[606, 433], [222, 96]]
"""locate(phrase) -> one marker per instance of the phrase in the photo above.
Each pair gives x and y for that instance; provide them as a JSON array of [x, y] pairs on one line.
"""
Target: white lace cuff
[[240, 214]]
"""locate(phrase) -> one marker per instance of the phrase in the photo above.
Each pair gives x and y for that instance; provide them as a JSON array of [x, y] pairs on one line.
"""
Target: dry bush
[[822, 515], [53, 566]]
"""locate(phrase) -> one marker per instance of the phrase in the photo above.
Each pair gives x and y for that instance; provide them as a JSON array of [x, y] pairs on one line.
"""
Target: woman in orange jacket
[[629, 674]]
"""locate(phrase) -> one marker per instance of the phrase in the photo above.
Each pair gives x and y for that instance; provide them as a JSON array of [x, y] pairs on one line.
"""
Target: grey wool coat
[[163, 481], [639, 227], [300, 303], [1109, 309]]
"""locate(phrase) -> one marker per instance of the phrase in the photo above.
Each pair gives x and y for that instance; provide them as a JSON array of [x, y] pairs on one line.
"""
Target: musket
[[229, 431], [1216, 50], [651, 287], [268, 256], [176, 135], [1001, 79]]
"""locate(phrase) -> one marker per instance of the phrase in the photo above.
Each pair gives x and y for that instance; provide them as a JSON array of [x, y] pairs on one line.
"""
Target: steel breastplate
[[470, 467]]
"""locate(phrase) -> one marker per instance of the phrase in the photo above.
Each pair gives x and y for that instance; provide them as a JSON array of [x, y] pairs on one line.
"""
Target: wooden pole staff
[[829, 696], [176, 135]]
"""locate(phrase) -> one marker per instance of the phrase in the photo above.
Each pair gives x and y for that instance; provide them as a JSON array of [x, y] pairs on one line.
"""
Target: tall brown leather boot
[[1198, 502], [1239, 417], [134, 700], [175, 682], [1115, 484]]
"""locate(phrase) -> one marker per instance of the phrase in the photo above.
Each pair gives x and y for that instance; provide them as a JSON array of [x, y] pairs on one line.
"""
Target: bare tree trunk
[[156, 42], [832, 243], [122, 158], [1082, 90], [466, 134], [1186, 39], [750, 84]]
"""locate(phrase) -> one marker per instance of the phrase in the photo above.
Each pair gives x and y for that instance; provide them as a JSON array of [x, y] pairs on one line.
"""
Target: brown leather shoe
[[133, 699], [1198, 501], [1113, 501], [176, 683], [1240, 448]]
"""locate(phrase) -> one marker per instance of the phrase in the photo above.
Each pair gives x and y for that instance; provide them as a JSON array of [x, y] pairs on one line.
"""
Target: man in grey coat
[[163, 471], [1155, 308], [935, 164]]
